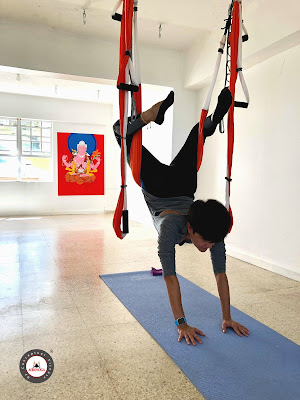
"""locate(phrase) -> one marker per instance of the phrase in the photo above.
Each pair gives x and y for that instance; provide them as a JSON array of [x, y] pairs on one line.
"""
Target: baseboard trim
[[51, 213], [288, 273]]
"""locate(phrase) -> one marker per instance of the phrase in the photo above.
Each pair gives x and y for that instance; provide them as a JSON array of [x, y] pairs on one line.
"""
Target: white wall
[[271, 29], [42, 48], [266, 164], [21, 198]]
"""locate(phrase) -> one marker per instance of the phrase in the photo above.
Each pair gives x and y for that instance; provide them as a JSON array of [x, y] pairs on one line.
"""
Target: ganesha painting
[[81, 167], [81, 159]]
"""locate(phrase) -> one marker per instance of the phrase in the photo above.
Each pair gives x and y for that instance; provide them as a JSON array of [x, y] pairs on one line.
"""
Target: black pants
[[161, 180]]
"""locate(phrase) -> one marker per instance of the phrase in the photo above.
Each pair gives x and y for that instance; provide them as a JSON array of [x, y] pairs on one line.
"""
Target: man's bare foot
[[151, 114], [157, 112]]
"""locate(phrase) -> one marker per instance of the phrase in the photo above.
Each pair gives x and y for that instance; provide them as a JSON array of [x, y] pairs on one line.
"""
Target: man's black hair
[[210, 219]]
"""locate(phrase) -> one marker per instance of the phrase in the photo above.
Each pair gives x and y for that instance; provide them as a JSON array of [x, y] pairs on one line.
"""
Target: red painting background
[[73, 188]]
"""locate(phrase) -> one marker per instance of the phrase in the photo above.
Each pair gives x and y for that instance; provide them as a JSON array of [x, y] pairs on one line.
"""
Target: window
[[25, 150]]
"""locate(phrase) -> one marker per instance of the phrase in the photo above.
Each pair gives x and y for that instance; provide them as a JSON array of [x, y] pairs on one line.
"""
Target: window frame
[[20, 152]]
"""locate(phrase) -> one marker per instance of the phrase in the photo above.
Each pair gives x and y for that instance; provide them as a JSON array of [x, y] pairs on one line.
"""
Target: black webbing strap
[[228, 179], [128, 88], [125, 228], [240, 104], [117, 17]]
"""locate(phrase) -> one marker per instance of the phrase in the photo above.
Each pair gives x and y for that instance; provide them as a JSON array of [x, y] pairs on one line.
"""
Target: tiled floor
[[51, 298]]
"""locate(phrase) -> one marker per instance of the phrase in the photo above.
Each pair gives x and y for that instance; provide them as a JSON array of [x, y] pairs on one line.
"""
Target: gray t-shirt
[[171, 229]]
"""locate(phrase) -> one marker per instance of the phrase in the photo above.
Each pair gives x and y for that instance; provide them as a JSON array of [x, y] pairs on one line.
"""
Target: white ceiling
[[182, 21]]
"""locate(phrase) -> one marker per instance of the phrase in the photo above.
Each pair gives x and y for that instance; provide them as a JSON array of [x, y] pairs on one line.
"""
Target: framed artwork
[[80, 159]]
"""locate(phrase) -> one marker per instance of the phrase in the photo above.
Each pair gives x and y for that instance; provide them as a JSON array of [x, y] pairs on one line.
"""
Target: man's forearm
[[174, 296], [223, 289]]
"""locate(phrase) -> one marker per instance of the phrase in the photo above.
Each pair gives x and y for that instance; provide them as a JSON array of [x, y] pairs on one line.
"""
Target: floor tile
[[51, 321], [11, 327]]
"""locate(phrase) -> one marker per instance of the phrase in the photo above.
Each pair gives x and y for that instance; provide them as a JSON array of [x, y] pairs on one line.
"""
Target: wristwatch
[[180, 321]]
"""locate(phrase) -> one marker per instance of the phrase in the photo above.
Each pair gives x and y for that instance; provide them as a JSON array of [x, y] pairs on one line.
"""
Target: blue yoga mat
[[263, 366]]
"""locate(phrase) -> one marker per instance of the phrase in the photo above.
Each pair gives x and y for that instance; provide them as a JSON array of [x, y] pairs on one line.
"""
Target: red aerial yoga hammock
[[233, 29], [129, 82]]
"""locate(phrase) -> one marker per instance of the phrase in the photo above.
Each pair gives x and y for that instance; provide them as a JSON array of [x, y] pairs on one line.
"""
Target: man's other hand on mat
[[190, 334], [237, 327]]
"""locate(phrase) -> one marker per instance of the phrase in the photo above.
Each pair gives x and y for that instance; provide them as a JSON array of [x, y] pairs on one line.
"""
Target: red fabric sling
[[121, 212]]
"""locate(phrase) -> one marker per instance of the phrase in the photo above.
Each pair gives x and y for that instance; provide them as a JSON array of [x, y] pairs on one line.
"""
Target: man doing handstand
[[169, 193]]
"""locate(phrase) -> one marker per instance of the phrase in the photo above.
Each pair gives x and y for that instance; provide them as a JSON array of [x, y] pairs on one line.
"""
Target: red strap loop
[[136, 146]]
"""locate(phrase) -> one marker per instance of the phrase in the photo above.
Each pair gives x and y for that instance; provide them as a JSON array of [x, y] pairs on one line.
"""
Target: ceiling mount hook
[[159, 31]]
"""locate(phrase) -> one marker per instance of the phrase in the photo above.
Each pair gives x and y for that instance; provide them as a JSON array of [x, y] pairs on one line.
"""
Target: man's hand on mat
[[237, 327], [189, 333]]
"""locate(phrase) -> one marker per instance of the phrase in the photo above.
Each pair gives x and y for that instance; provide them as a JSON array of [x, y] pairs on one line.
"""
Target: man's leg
[[210, 124], [132, 128], [224, 103], [151, 168], [184, 165], [154, 114]]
